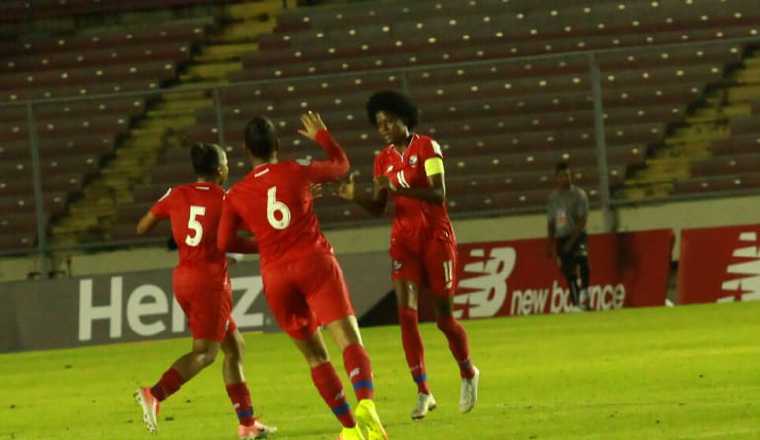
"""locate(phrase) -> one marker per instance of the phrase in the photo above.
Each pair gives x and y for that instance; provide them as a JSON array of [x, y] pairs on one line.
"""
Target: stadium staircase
[[708, 122], [92, 217]]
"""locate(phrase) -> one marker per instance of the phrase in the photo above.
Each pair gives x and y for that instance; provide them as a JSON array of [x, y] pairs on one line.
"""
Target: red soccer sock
[[328, 384], [241, 401], [413, 349], [458, 344], [169, 383], [357, 363]]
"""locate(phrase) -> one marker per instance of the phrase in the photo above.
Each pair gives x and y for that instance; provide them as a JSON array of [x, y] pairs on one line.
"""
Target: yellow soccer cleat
[[351, 434], [369, 422]]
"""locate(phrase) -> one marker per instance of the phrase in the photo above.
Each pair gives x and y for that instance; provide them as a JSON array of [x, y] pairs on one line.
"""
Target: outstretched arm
[[147, 223], [227, 239], [159, 211], [373, 203]]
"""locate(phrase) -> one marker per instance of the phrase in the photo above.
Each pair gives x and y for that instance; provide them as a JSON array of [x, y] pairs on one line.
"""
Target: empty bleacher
[[495, 117], [504, 86], [75, 136]]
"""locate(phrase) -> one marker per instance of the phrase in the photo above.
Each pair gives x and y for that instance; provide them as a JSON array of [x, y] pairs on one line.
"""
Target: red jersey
[[194, 210], [413, 218], [274, 202]]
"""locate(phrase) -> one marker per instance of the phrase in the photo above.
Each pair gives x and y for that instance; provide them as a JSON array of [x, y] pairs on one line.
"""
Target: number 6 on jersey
[[275, 206]]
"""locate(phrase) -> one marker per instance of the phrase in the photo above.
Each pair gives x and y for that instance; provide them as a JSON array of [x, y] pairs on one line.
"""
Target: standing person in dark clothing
[[567, 215]]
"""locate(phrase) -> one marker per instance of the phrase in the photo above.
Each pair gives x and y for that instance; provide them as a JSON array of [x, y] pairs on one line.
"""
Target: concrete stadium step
[[718, 113], [227, 52], [743, 93], [244, 32], [210, 71], [749, 75], [698, 132], [253, 10], [647, 191]]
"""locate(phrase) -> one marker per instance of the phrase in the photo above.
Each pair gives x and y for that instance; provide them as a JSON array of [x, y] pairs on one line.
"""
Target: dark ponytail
[[261, 137], [205, 158]]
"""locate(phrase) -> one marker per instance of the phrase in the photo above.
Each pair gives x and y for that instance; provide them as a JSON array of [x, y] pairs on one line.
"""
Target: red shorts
[[431, 266], [305, 293], [207, 302]]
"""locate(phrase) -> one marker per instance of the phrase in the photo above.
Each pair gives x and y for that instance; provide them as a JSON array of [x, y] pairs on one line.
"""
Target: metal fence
[[48, 174]]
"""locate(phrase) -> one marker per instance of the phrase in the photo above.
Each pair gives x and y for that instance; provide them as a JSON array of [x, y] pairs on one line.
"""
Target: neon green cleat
[[351, 434], [369, 422]]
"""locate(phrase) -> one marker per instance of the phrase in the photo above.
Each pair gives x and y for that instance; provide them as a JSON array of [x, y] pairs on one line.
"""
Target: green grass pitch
[[666, 373]]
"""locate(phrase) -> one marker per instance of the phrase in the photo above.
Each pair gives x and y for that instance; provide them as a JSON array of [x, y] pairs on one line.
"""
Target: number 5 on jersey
[[195, 226], [276, 209]]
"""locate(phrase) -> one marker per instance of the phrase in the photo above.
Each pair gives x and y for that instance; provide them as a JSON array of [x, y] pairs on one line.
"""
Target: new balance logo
[[485, 288], [744, 284]]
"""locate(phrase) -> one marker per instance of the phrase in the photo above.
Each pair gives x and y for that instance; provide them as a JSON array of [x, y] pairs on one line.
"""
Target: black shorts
[[577, 255]]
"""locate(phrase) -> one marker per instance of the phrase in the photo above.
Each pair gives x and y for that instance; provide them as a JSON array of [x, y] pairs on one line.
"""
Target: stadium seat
[[719, 184], [167, 52]]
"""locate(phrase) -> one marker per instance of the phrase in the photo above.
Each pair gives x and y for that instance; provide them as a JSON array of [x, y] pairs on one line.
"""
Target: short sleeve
[[582, 204], [430, 150], [162, 207]]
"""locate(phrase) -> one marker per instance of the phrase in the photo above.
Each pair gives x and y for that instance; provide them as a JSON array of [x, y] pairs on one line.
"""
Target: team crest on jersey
[[413, 161], [397, 265]]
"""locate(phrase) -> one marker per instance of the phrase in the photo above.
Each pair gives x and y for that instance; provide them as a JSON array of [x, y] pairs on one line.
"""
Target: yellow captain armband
[[434, 166]]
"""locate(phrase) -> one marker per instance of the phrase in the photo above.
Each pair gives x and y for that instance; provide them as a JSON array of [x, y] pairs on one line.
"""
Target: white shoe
[[149, 405], [468, 395], [425, 404], [574, 309], [256, 431]]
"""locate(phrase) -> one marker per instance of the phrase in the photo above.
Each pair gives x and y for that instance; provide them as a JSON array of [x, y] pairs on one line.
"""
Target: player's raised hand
[[312, 124], [317, 191], [346, 189]]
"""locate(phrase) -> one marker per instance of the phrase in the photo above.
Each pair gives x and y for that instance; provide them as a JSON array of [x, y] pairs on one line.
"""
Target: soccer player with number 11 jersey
[[410, 172]]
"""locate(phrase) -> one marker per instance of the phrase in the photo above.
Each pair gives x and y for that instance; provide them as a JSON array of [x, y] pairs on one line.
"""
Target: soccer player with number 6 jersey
[[410, 171], [303, 282], [202, 288]]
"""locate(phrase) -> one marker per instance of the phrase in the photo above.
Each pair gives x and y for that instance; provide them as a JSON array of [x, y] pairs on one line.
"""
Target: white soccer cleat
[[256, 431], [425, 404], [468, 394], [149, 405]]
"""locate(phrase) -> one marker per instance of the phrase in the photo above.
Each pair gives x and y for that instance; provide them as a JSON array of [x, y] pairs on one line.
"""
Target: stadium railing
[[56, 146]]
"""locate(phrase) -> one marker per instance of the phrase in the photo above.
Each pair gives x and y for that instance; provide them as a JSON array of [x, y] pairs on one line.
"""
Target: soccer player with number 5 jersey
[[202, 288], [303, 282], [410, 171]]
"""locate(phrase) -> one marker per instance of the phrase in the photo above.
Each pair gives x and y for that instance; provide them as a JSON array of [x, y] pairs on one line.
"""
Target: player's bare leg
[[345, 333], [203, 354], [185, 368], [407, 297], [328, 383], [233, 347], [459, 346]]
